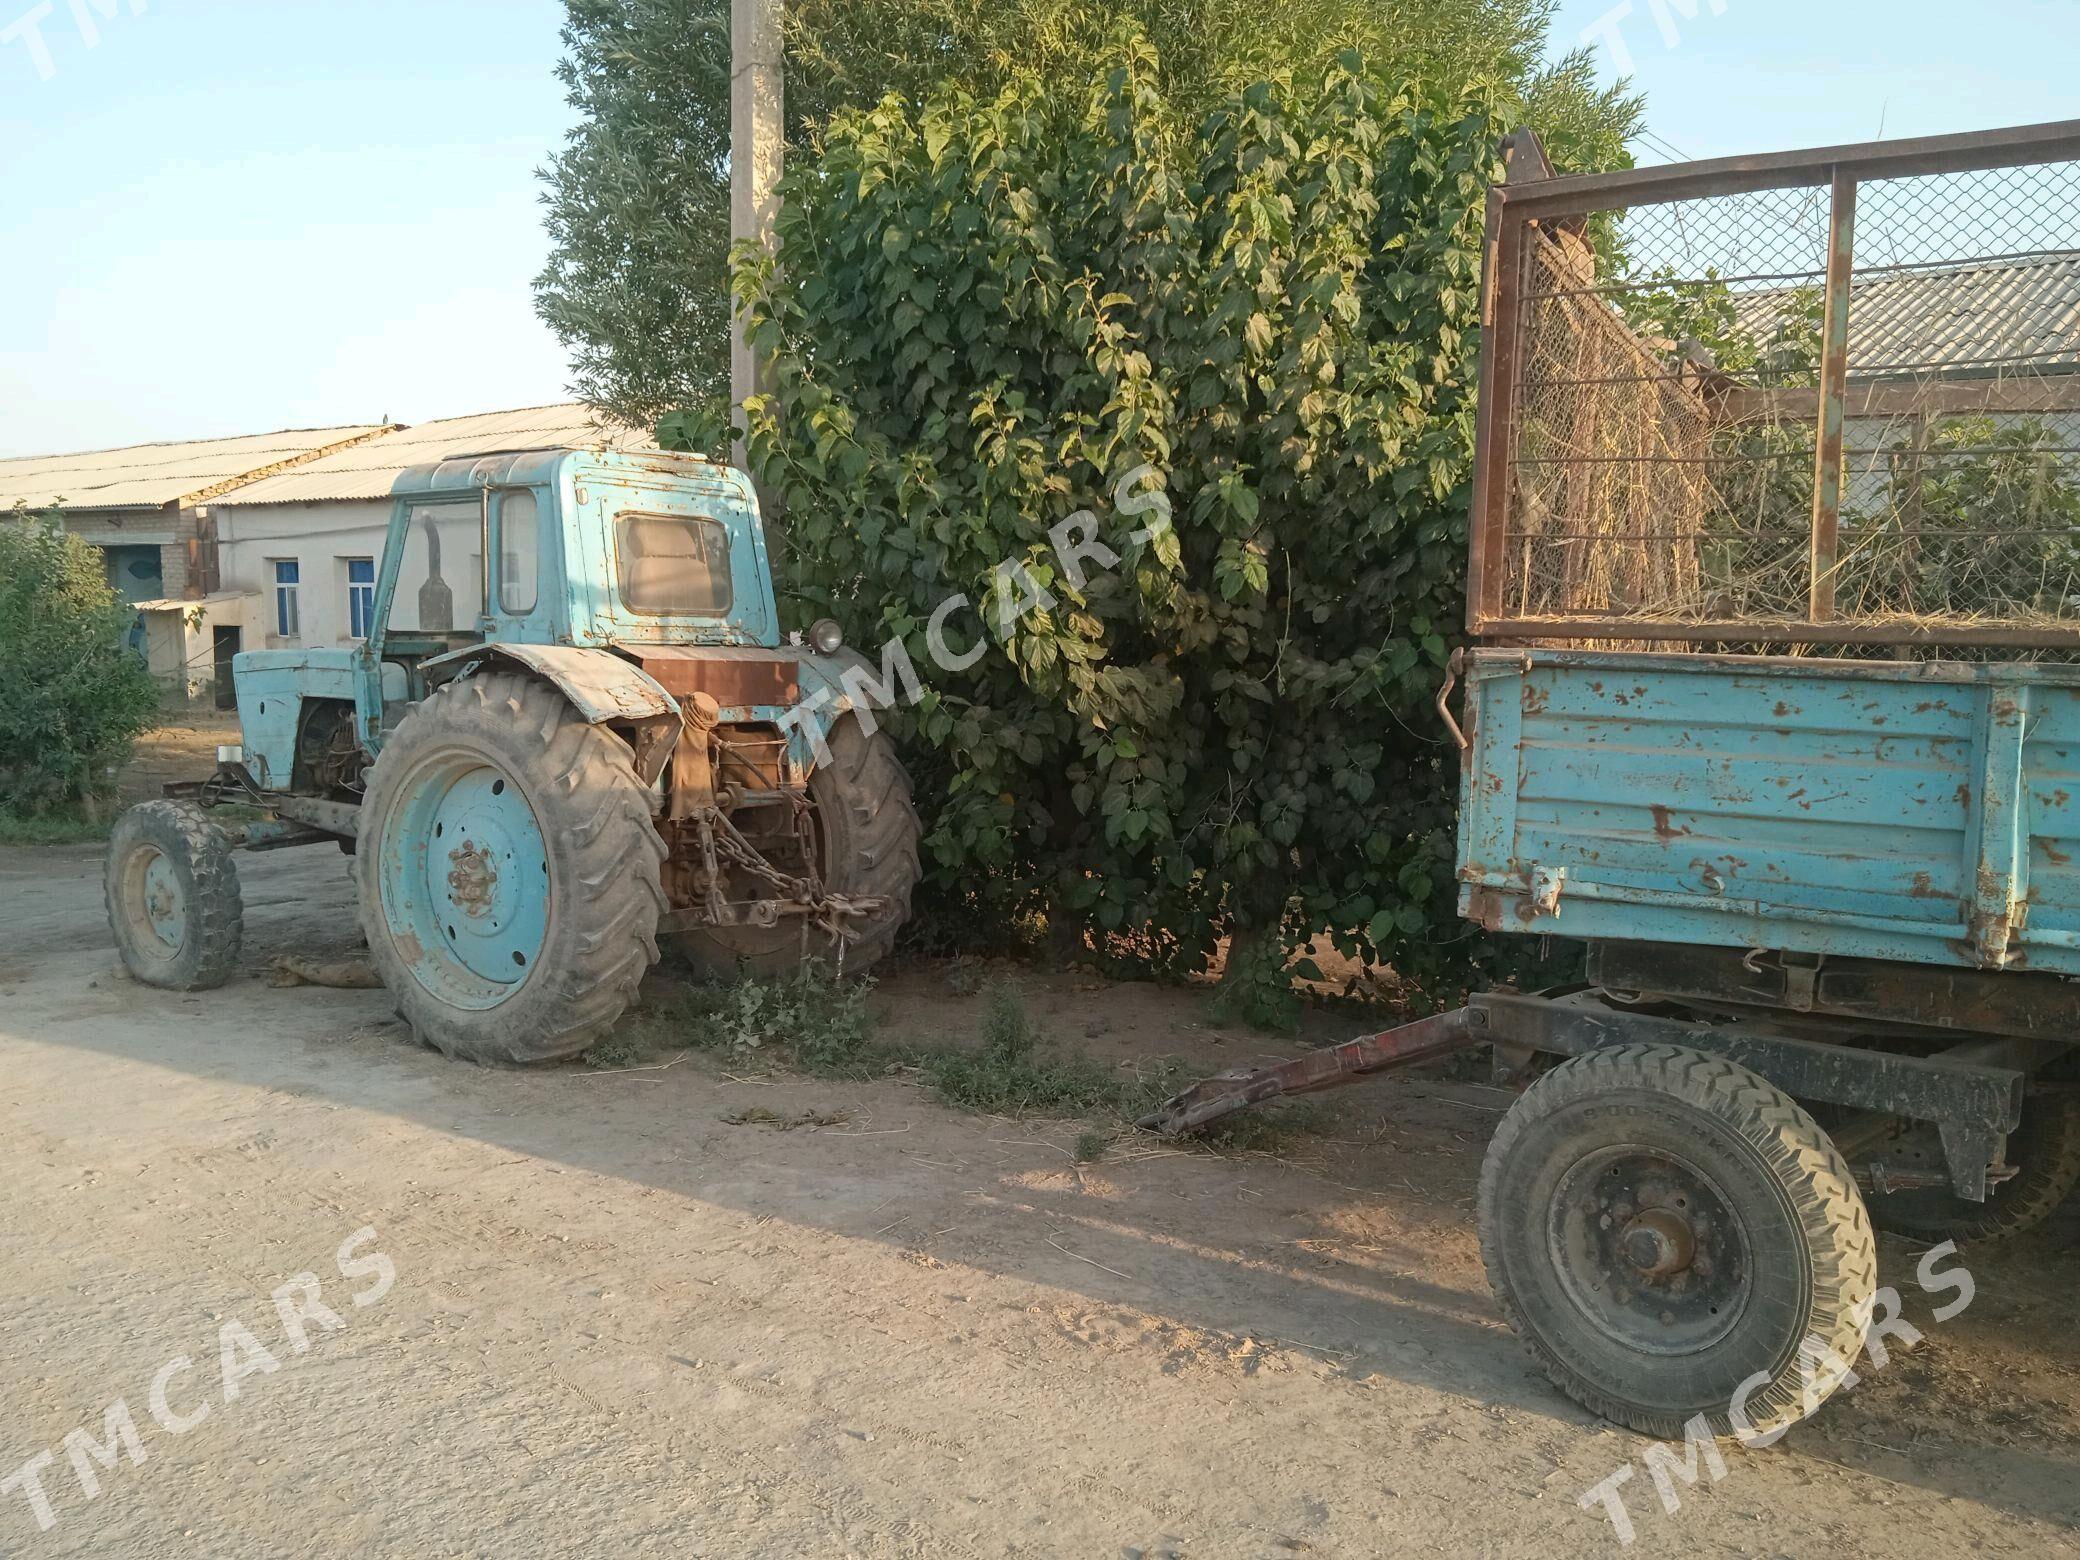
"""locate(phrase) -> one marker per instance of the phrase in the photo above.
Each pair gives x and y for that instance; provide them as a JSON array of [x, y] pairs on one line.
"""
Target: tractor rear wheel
[[173, 898], [867, 832], [509, 872]]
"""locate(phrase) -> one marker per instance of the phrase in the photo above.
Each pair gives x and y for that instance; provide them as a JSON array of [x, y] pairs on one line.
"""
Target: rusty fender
[[601, 686]]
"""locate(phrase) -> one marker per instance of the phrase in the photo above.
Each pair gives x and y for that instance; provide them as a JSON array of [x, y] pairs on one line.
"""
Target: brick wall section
[[173, 568]]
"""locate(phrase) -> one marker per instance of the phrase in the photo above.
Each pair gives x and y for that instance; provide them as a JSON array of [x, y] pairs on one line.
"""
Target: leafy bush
[[73, 699], [1257, 986], [985, 316], [1981, 515], [638, 199]]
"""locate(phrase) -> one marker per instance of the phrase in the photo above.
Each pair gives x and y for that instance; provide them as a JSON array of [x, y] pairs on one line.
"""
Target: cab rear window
[[672, 565]]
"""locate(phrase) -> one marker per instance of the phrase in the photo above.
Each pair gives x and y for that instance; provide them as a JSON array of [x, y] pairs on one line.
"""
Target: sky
[[232, 216], [1726, 77]]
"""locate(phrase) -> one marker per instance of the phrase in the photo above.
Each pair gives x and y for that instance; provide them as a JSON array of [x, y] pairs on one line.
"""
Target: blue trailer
[[1771, 707], [1923, 811]]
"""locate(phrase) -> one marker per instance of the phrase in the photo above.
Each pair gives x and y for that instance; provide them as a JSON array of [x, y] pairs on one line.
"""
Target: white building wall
[[323, 538]]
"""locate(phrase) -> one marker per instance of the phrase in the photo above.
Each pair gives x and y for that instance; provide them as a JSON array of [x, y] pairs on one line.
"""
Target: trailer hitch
[[1425, 1040]]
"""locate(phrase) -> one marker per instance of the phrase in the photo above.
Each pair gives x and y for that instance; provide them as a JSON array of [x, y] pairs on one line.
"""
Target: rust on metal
[[1425, 1040], [693, 758], [1520, 438], [1834, 389], [472, 876], [734, 678], [2058, 141]]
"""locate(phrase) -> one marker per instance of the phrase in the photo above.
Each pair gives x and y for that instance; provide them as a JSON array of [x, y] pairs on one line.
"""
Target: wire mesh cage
[[1819, 398]]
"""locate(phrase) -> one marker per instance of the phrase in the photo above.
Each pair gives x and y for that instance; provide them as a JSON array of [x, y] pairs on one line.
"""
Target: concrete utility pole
[[756, 141]]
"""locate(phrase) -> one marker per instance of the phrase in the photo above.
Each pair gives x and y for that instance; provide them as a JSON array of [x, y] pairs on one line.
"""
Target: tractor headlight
[[826, 636]]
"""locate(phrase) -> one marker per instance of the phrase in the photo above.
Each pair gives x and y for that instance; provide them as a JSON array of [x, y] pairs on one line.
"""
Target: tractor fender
[[601, 686], [834, 686]]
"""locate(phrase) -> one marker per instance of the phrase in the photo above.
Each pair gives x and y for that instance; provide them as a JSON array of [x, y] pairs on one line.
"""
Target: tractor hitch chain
[[721, 841]]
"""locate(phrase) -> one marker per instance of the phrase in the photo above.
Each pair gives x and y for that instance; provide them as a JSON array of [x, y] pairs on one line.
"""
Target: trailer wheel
[[173, 898], [867, 828], [2046, 1148], [1673, 1236], [509, 872]]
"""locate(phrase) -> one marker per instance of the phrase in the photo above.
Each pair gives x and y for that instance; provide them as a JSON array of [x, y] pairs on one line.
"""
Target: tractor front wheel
[[173, 897], [509, 872]]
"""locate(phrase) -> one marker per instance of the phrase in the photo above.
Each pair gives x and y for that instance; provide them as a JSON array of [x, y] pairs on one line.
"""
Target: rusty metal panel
[[1921, 812], [736, 677]]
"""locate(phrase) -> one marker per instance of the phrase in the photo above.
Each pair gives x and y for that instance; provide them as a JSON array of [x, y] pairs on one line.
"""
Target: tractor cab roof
[[534, 467]]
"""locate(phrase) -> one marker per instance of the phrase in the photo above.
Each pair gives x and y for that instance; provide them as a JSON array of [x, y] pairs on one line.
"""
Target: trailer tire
[[528, 939], [171, 885], [2047, 1147], [1674, 1238], [869, 832]]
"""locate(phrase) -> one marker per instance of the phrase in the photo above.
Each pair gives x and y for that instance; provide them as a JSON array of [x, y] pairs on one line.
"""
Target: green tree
[[637, 204], [72, 698], [990, 314]]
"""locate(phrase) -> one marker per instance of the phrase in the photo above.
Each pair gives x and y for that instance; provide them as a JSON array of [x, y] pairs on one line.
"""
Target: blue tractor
[[620, 747]]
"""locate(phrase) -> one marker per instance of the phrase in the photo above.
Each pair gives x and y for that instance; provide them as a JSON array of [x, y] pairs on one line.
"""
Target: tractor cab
[[658, 557], [563, 547]]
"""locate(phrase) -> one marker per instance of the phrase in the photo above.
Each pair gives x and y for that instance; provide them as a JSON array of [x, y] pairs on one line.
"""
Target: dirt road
[[620, 1326]]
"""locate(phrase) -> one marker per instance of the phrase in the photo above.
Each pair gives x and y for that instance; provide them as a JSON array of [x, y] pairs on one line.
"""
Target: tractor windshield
[[440, 577], [673, 565]]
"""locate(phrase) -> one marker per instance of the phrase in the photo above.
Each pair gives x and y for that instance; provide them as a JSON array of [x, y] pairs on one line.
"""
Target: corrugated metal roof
[[146, 476], [2007, 317], [368, 470]]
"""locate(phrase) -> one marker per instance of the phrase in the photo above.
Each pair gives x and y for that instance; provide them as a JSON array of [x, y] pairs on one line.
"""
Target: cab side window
[[517, 536]]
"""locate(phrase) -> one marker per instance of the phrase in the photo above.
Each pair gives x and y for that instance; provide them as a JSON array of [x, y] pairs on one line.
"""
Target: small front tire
[[173, 898]]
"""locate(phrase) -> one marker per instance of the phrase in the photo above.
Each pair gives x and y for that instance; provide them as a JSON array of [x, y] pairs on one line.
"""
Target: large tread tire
[[604, 860], [870, 833], [2046, 1149], [1808, 1269], [204, 875]]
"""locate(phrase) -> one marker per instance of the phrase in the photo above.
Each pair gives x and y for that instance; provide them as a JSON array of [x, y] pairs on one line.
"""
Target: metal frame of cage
[[1532, 201]]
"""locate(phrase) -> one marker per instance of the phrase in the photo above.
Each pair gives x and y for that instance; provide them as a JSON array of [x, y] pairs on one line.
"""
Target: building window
[[288, 579], [361, 596]]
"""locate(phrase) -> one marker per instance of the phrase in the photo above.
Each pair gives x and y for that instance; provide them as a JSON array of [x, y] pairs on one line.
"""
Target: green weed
[[59, 826], [615, 1051], [819, 1024]]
